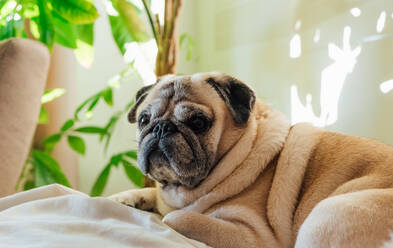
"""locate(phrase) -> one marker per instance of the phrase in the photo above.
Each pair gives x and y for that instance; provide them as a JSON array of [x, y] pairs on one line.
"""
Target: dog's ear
[[239, 98], [140, 96]]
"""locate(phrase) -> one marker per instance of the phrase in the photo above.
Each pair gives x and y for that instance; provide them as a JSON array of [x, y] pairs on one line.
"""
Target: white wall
[[250, 40]]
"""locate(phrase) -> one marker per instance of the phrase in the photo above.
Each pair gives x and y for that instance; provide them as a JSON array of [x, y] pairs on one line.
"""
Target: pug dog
[[232, 172]]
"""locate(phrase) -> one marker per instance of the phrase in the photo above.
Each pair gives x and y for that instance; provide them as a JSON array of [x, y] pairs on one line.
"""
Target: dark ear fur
[[239, 98], [140, 96]]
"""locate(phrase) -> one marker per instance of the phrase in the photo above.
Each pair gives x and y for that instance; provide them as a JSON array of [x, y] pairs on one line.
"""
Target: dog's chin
[[161, 171]]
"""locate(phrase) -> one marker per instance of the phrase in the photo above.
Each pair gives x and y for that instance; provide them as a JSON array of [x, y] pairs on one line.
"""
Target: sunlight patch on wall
[[386, 86], [356, 12], [300, 112], [381, 21], [317, 35], [295, 47], [298, 25], [332, 81]]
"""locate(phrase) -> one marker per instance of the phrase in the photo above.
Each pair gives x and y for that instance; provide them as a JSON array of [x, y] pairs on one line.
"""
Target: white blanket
[[56, 216]]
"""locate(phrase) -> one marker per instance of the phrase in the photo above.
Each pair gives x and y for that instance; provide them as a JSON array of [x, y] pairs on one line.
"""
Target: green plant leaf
[[132, 154], [67, 125], [101, 181], [85, 39], [83, 104], [44, 116], [109, 128], [7, 30], [84, 53], [29, 8], [107, 94], [34, 29], [93, 104], [91, 129], [47, 163], [2, 3], [115, 159], [85, 33], [65, 33], [128, 106], [189, 44], [133, 173], [41, 175], [29, 184], [49, 142], [77, 144], [11, 23], [45, 24], [7, 8], [127, 26], [76, 11], [52, 94]]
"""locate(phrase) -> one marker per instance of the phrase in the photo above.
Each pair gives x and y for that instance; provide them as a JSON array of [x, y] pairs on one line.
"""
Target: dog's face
[[187, 123]]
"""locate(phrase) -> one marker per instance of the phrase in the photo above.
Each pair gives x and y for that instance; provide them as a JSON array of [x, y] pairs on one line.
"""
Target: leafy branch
[[70, 24]]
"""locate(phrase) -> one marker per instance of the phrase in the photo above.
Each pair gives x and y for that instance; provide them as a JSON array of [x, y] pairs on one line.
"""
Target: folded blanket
[[56, 216]]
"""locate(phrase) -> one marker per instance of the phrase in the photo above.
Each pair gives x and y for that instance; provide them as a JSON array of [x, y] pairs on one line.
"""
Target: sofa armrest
[[24, 67]]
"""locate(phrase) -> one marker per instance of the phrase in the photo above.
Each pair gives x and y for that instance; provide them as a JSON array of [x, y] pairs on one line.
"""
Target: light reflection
[[386, 86], [10, 5], [298, 25], [295, 49], [158, 7], [300, 112], [17, 17], [110, 9], [143, 55], [137, 3], [317, 35], [332, 81], [356, 12], [381, 21], [376, 37]]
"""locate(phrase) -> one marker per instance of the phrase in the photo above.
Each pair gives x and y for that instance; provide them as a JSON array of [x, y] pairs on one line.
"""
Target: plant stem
[[26, 24], [149, 15]]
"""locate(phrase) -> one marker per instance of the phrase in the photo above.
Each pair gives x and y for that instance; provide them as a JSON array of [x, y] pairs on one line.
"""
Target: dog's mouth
[[161, 170], [171, 161]]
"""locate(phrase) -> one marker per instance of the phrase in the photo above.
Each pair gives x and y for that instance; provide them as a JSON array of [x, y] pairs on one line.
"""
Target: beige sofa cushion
[[24, 66]]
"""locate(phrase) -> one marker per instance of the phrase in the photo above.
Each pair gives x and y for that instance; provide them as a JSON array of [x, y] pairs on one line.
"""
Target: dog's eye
[[198, 123], [144, 120]]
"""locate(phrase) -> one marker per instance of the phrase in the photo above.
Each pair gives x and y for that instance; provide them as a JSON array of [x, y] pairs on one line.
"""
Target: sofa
[[24, 66]]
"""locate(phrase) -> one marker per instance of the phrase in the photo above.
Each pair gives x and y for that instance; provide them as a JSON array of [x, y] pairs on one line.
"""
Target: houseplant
[[70, 24]]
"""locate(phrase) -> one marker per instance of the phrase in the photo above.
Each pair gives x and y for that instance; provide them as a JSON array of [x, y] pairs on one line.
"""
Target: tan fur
[[281, 186]]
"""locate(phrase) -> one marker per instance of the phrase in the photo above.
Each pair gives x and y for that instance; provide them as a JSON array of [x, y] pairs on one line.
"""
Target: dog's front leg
[[212, 231], [143, 199]]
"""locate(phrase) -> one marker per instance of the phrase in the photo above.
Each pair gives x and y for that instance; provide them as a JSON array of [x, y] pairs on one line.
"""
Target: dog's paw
[[175, 217], [136, 198]]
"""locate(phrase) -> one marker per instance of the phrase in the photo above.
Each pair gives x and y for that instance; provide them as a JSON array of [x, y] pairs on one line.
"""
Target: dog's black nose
[[163, 128]]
